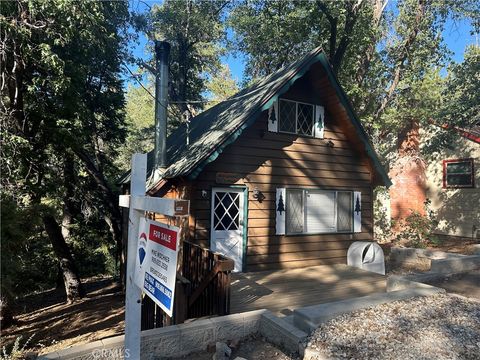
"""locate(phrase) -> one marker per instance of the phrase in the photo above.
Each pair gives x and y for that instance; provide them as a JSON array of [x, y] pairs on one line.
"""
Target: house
[[280, 175], [453, 185], [448, 181]]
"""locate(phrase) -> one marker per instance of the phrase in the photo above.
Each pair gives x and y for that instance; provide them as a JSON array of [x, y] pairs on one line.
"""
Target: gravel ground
[[436, 327]]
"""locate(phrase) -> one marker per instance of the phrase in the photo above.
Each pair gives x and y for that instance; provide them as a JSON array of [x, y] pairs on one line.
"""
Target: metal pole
[[162, 53]]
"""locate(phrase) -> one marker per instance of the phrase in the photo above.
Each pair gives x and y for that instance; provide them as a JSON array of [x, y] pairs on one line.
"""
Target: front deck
[[282, 291]]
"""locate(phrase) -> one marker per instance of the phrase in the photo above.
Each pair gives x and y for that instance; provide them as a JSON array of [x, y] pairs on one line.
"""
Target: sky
[[456, 35]]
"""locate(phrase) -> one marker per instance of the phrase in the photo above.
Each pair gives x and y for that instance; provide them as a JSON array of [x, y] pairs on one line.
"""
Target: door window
[[226, 211]]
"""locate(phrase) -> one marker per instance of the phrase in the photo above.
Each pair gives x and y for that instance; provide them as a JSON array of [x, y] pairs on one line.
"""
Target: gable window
[[458, 173], [296, 117], [318, 211]]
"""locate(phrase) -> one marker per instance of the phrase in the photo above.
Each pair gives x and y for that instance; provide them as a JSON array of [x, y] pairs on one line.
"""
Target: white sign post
[[138, 204]]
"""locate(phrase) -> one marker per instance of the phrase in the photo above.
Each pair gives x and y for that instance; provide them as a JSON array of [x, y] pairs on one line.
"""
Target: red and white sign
[[157, 262]]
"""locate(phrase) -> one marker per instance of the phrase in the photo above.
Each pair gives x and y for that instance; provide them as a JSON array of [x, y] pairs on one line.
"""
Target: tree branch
[[353, 11], [400, 65], [333, 28]]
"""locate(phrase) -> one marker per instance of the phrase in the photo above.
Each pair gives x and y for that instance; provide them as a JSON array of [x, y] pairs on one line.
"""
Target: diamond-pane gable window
[[296, 117], [288, 116], [305, 119]]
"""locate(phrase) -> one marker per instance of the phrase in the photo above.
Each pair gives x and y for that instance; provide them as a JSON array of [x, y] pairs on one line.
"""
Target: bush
[[416, 230], [17, 352]]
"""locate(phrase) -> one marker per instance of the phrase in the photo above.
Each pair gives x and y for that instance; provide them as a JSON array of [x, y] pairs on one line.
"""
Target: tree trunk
[[365, 61], [114, 217], [73, 285], [6, 313]]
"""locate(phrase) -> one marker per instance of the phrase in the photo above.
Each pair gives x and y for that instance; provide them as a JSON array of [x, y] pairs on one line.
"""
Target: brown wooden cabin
[[280, 175]]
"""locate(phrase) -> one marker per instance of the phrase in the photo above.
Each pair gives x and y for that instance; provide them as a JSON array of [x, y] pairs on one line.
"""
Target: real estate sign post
[[151, 249]]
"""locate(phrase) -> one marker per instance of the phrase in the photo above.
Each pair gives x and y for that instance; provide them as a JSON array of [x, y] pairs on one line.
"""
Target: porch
[[282, 291]]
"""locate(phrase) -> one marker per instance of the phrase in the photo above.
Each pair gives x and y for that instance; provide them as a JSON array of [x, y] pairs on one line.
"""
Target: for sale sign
[[157, 262]]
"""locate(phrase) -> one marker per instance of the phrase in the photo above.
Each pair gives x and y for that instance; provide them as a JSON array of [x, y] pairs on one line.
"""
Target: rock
[[223, 352], [31, 355], [211, 348], [234, 344]]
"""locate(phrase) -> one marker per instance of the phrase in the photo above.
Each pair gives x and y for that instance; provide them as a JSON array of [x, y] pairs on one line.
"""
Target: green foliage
[[26, 261], [62, 119], [140, 119], [17, 352], [387, 59], [195, 29], [221, 85], [459, 104], [381, 215], [417, 229], [462, 98]]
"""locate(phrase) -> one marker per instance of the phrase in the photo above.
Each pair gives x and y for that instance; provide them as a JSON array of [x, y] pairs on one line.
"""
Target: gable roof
[[214, 129], [473, 133]]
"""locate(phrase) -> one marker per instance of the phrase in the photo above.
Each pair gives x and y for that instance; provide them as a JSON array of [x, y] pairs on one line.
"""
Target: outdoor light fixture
[[257, 194], [204, 194]]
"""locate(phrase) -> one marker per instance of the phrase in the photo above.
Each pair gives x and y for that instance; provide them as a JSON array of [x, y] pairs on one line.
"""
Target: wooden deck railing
[[202, 289]]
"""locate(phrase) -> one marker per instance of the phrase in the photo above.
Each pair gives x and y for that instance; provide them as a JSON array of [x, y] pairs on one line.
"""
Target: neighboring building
[[448, 180], [280, 175], [453, 186]]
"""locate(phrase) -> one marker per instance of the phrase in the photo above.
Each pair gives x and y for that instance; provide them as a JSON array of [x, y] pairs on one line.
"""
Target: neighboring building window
[[318, 211], [458, 173], [296, 117]]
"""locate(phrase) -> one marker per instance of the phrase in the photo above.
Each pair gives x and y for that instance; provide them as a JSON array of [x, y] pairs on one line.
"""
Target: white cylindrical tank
[[366, 255]]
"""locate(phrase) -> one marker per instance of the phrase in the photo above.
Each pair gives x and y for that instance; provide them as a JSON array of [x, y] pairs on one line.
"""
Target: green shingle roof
[[214, 129]]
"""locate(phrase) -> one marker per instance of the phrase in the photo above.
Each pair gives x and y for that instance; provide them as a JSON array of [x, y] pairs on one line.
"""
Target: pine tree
[[281, 206], [357, 206]]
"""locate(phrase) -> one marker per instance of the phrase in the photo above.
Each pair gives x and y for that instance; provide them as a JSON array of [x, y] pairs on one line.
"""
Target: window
[[318, 211], [458, 173], [296, 117]]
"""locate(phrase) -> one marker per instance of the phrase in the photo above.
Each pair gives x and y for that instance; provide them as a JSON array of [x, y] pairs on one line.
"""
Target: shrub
[[416, 230], [17, 351]]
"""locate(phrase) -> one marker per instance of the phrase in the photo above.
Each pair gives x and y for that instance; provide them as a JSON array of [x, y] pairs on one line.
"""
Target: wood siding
[[264, 160]]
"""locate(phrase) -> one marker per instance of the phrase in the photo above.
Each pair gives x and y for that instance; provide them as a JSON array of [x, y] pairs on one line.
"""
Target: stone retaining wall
[[183, 339], [437, 261]]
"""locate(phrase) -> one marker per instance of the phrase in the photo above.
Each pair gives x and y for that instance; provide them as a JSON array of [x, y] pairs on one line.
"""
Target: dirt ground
[[451, 245], [54, 325], [466, 284], [465, 247], [250, 349]]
